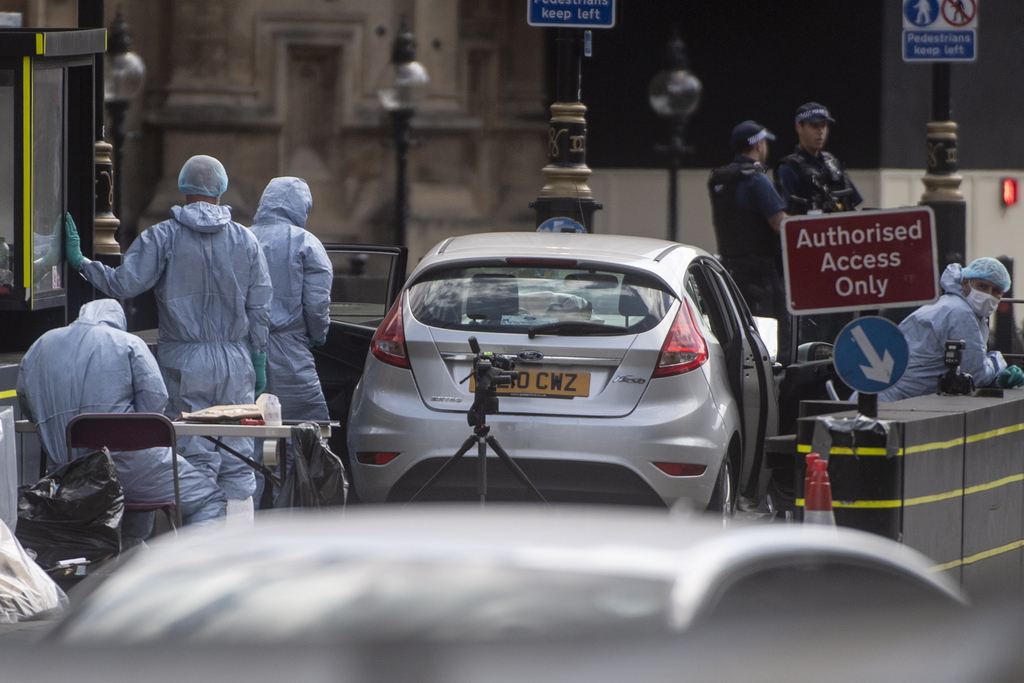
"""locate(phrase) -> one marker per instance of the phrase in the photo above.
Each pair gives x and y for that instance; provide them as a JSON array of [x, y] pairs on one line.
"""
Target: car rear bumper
[[577, 459]]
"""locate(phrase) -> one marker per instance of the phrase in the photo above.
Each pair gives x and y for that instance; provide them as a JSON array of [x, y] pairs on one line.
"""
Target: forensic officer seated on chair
[[93, 365]]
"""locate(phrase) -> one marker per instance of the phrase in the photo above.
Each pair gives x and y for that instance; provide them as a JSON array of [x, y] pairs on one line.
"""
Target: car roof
[[692, 554], [624, 250]]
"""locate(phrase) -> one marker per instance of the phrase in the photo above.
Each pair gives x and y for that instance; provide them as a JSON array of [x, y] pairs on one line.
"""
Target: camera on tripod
[[955, 382], [490, 371]]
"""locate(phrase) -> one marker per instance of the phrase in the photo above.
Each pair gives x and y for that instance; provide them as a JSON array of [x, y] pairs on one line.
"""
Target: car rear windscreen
[[517, 299]]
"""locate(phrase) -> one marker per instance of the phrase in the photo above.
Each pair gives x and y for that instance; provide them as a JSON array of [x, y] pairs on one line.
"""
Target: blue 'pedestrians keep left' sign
[[870, 354], [571, 13]]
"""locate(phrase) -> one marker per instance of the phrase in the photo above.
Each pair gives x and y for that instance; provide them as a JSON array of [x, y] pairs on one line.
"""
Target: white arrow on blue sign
[[870, 354], [571, 13]]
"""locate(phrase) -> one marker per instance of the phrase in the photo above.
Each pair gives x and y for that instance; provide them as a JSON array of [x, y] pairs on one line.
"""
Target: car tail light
[[375, 458], [388, 343], [684, 348], [680, 469]]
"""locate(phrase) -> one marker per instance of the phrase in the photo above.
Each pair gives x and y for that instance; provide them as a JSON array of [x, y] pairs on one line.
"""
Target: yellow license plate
[[545, 383]]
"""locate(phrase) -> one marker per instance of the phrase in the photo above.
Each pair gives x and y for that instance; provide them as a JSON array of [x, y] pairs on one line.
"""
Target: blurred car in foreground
[[643, 379], [444, 574]]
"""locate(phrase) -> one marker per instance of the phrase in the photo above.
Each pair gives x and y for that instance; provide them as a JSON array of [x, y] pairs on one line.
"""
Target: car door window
[[712, 304], [366, 282]]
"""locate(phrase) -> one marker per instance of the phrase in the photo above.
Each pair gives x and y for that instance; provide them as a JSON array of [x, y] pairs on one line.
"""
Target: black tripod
[[490, 371]]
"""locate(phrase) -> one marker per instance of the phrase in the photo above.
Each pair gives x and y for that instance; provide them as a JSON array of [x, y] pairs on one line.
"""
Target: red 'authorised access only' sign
[[860, 260]]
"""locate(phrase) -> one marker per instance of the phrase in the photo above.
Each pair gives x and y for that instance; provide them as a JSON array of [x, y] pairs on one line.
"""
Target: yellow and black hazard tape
[[977, 557], [921, 448], [936, 497]]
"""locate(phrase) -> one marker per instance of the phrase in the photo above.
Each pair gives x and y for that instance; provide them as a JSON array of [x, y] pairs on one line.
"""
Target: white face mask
[[984, 305]]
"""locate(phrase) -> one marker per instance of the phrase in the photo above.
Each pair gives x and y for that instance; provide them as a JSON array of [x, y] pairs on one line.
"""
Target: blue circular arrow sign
[[560, 224], [871, 354]]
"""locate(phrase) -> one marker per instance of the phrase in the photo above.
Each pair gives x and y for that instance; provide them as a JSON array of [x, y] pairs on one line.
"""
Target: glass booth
[[46, 90]]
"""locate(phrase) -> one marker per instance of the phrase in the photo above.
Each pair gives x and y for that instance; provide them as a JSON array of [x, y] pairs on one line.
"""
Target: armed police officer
[[747, 212], [810, 179]]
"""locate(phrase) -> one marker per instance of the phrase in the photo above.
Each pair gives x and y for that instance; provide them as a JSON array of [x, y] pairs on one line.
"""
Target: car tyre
[[723, 498]]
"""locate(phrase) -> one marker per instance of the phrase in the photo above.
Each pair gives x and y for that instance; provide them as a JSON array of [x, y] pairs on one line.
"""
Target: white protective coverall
[[927, 330], [302, 274], [94, 366], [213, 295]]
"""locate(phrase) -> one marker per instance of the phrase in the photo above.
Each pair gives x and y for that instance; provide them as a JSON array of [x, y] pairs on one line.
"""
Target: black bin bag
[[73, 512], [316, 477]]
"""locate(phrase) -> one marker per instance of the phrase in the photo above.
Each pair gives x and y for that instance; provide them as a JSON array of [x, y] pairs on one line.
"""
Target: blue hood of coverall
[[302, 275]]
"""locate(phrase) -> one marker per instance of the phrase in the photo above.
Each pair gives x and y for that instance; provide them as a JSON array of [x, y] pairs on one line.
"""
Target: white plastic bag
[[25, 589]]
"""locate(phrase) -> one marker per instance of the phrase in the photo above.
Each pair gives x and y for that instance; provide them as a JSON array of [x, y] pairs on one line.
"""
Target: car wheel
[[723, 500]]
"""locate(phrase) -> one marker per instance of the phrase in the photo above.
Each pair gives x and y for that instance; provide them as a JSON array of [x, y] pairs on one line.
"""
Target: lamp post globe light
[[124, 74], [674, 94], [401, 89]]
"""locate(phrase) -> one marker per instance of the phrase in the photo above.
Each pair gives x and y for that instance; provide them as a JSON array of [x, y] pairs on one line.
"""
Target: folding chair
[[129, 432]]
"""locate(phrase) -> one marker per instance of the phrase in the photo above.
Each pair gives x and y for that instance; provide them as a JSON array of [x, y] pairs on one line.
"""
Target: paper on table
[[224, 413]]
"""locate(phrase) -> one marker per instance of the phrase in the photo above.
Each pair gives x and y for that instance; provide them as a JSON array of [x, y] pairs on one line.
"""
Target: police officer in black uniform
[[810, 179], [747, 212]]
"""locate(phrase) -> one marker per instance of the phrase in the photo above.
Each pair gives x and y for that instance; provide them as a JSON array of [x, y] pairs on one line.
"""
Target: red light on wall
[[1010, 191]]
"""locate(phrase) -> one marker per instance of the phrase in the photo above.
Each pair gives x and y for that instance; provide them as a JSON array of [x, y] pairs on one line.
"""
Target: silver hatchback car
[[641, 376]]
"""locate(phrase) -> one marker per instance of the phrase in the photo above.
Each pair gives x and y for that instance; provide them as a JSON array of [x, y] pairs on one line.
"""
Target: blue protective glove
[[1011, 377], [259, 364], [316, 342], [72, 245]]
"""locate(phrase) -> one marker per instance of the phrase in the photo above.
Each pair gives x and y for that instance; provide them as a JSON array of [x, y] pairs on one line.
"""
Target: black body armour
[[739, 232], [829, 192]]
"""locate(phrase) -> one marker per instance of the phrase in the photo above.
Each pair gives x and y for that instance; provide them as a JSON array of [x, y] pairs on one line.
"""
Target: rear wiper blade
[[580, 327]]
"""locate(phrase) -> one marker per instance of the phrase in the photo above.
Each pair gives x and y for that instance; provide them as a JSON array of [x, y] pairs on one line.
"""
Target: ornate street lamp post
[[674, 94], [401, 89], [124, 74]]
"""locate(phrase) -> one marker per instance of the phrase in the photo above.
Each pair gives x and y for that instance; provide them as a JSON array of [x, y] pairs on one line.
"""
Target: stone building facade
[[290, 88]]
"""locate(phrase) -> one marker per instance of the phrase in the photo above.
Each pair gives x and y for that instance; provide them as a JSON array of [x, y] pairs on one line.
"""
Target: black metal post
[[117, 111], [867, 404], [675, 150], [565, 192], [941, 101], [403, 140], [942, 180], [569, 79], [674, 93]]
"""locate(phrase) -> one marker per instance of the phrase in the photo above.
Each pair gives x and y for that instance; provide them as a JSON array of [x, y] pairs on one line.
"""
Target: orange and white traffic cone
[[818, 496], [811, 457]]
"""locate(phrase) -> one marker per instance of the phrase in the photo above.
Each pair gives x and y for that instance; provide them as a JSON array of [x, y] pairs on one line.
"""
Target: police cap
[[748, 134], [812, 112]]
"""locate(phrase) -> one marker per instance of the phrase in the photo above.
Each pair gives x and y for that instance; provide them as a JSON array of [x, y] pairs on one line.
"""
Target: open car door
[[748, 366], [367, 280]]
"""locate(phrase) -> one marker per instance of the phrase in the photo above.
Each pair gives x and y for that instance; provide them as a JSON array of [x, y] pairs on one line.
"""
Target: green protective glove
[[316, 342], [259, 363], [1011, 377], [72, 245]]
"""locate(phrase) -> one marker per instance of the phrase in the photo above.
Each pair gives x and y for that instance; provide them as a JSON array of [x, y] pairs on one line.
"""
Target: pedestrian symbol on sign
[[959, 12], [921, 12]]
